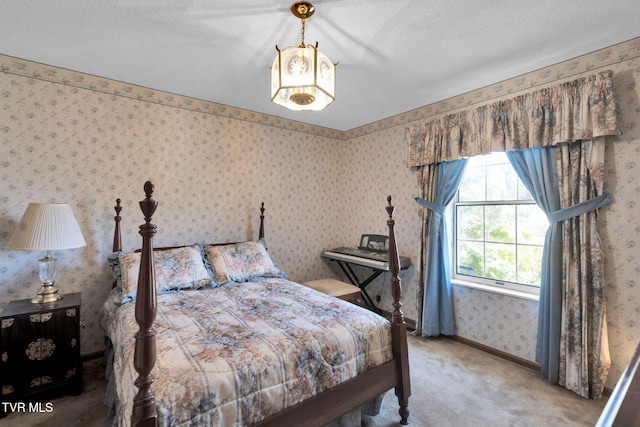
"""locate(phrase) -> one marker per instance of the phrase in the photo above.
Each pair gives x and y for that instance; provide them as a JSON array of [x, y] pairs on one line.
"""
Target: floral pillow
[[241, 262], [178, 268]]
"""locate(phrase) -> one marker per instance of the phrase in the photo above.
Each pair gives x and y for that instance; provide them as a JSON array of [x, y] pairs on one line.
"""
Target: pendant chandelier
[[302, 78]]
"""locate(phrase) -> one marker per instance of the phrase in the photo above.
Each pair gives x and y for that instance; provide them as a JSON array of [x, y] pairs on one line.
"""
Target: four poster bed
[[218, 336]]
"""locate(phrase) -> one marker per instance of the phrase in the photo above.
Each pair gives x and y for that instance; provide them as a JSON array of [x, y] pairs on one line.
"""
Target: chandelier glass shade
[[303, 78]]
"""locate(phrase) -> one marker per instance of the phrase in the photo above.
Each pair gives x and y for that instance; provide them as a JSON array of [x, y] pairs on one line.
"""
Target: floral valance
[[580, 109]]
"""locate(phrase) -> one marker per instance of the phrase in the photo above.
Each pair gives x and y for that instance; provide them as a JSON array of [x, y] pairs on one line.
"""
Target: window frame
[[528, 292]]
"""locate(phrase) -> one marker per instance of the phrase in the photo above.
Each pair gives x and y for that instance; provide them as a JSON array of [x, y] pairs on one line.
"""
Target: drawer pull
[[40, 349], [40, 318], [38, 381]]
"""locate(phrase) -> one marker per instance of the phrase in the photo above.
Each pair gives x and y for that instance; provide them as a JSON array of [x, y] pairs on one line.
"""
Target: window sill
[[502, 291]]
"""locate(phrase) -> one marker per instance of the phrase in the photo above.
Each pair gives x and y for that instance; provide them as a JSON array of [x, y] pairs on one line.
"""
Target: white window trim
[[507, 291]]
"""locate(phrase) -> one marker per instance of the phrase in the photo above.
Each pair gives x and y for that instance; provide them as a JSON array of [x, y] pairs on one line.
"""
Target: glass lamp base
[[47, 294]]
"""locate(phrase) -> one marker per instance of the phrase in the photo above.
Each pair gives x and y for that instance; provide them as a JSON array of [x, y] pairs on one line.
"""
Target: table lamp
[[47, 227]]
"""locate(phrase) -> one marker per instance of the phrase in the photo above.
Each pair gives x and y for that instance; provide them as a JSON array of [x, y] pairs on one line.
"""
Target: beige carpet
[[456, 385], [452, 385]]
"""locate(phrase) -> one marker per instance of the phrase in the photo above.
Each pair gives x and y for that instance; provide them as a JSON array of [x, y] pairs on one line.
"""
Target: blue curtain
[[537, 168], [437, 305]]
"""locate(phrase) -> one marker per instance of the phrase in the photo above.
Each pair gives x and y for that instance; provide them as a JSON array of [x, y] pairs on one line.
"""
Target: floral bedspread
[[235, 354]]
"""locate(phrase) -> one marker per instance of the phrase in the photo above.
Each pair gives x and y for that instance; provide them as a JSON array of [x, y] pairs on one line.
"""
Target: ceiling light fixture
[[302, 78]]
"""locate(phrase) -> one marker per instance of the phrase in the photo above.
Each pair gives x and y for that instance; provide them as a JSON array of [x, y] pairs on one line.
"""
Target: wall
[[83, 140]]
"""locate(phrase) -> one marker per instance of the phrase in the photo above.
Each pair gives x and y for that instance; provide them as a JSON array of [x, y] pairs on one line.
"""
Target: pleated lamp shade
[[47, 226]]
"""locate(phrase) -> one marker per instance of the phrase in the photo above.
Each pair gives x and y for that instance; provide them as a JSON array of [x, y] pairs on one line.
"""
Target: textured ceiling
[[394, 56]]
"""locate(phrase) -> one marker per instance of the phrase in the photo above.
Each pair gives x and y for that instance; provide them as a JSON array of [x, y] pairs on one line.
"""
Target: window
[[499, 229]]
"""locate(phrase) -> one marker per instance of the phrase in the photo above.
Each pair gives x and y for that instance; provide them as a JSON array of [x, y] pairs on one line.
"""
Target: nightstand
[[40, 349]]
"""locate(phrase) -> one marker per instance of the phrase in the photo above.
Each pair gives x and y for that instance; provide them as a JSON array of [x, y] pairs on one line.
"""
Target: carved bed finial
[[148, 205], [261, 232], [148, 188], [389, 208], [117, 239]]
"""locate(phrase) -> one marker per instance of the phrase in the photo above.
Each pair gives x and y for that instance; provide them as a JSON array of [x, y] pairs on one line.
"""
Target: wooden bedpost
[[144, 402], [261, 233], [117, 240], [398, 325]]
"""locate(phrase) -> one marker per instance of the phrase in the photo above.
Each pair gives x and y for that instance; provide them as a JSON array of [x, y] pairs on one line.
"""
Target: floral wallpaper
[[68, 144], [73, 138]]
